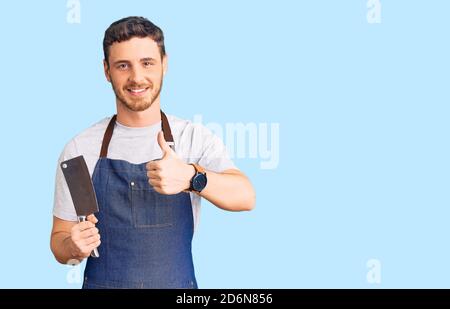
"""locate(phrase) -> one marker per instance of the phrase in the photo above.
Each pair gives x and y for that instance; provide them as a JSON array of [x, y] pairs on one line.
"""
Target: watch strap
[[198, 168]]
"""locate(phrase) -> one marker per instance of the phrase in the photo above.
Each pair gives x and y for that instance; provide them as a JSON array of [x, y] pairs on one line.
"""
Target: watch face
[[199, 182]]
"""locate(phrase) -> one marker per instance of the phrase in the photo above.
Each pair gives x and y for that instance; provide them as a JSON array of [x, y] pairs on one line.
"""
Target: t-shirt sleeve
[[214, 155], [63, 207]]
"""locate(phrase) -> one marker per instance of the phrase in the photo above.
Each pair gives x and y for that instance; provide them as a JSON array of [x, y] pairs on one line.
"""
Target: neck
[[129, 118]]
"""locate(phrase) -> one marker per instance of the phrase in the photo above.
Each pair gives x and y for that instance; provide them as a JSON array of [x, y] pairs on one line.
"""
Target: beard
[[138, 104]]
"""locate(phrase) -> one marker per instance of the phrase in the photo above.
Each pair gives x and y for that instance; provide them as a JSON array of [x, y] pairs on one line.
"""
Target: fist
[[84, 237]]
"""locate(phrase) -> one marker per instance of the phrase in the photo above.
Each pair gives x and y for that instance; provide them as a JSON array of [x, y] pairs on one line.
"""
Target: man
[[148, 182]]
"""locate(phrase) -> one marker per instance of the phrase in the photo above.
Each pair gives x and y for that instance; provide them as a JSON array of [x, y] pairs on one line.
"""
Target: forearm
[[61, 247], [230, 190]]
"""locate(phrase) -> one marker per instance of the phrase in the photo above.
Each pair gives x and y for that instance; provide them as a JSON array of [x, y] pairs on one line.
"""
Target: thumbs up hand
[[169, 175]]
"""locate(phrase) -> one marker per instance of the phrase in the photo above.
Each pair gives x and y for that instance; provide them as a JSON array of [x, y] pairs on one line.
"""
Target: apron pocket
[[150, 208]]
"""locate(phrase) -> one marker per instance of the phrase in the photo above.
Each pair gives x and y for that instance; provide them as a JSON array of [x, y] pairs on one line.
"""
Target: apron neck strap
[[109, 132]]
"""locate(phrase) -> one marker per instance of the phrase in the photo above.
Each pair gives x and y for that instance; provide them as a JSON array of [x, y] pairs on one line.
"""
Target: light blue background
[[363, 112]]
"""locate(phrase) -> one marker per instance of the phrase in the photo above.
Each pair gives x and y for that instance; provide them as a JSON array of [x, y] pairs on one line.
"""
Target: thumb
[[162, 143]]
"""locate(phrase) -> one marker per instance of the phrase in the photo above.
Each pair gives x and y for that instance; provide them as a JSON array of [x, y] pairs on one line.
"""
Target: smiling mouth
[[137, 91]]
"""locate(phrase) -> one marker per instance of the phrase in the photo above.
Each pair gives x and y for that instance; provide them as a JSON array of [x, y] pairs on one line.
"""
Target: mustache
[[139, 86]]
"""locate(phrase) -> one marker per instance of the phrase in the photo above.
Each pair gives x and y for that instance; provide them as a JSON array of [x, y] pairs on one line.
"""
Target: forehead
[[135, 48]]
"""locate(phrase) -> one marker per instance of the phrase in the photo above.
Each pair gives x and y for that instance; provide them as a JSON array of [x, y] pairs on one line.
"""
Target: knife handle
[[94, 252]]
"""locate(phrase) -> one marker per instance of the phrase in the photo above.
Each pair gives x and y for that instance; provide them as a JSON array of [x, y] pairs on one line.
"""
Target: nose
[[136, 76]]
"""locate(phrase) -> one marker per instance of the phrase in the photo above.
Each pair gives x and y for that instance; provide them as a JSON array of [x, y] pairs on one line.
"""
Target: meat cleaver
[[81, 189]]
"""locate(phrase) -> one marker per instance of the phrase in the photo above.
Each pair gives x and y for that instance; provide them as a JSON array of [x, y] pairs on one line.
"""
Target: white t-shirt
[[194, 143]]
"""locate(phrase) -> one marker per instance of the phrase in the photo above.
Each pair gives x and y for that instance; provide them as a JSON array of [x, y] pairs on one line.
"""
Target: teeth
[[137, 90]]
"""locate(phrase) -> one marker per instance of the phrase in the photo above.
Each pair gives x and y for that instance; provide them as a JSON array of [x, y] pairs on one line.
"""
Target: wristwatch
[[199, 180]]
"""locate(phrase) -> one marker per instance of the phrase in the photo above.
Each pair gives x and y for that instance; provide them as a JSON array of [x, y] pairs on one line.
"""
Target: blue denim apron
[[146, 236]]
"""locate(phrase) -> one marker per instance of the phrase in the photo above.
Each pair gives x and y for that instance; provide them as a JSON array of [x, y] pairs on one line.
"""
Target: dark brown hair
[[129, 27]]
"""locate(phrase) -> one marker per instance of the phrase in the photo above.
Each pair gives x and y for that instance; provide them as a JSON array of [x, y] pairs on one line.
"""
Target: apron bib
[[146, 236]]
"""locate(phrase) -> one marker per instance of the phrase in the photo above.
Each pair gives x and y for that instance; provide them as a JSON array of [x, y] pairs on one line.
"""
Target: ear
[[165, 64], [106, 69]]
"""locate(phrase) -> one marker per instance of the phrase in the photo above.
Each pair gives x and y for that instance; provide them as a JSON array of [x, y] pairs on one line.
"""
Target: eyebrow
[[127, 61], [148, 59]]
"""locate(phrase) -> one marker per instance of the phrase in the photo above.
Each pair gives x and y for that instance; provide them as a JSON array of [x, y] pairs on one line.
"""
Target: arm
[[71, 240], [229, 190]]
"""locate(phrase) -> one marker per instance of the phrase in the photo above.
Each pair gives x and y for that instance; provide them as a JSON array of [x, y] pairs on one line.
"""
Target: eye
[[147, 64], [122, 66]]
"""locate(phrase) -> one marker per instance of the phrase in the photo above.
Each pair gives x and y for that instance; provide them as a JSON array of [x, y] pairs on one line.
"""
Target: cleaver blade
[[81, 189]]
